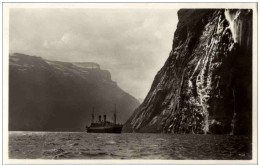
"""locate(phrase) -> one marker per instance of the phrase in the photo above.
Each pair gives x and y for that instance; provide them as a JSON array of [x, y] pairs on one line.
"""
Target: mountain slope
[[205, 86], [59, 96]]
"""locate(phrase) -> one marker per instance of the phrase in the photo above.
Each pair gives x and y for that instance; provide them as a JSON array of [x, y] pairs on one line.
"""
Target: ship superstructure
[[104, 126]]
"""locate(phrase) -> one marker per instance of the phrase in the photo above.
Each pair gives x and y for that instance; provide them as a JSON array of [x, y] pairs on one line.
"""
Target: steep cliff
[[59, 96], [205, 86]]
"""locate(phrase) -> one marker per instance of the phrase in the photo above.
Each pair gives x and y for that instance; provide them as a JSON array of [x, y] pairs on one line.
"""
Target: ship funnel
[[99, 118], [92, 120], [105, 118], [115, 115]]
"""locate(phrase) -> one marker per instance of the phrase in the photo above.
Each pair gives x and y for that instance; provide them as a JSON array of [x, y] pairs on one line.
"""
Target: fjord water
[[81, 145]]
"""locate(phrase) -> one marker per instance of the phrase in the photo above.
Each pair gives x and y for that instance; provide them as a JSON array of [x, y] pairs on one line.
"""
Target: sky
[[133, 44]]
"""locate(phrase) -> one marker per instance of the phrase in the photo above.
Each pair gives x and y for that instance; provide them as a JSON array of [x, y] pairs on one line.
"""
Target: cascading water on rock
[[231, 17], [204, 86]]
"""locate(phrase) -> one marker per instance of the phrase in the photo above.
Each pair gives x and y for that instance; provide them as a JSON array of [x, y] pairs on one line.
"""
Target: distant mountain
[[58, 96]]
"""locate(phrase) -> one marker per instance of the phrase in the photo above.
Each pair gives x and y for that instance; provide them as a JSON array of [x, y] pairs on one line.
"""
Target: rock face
[[59, 96], [205, 86]]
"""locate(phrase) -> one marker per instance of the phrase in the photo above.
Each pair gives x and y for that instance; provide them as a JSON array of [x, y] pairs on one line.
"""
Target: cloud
[[67, 41], [132, 44]]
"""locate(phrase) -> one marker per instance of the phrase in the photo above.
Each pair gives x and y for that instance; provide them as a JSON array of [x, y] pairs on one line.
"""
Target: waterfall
[[231, 18], [233, 124]]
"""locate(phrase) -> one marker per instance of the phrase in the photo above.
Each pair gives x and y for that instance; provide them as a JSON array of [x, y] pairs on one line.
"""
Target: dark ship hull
[[114, 129], [104, 126]]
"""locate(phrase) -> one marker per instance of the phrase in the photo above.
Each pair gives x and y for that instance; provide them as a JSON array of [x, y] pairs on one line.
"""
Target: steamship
[[104, 126]]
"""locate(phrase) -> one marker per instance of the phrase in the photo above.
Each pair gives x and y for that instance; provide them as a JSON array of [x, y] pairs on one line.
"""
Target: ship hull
[[105, 130]]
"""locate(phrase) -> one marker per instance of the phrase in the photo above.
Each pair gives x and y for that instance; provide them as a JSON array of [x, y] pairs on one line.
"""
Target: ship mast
[[92, 121], [115, 115]]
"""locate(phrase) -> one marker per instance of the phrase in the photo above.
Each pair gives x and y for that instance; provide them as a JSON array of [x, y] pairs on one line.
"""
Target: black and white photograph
[[130, 81]]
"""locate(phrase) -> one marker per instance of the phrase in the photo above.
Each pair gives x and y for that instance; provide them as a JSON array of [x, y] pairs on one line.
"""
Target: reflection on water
[[81, 145]]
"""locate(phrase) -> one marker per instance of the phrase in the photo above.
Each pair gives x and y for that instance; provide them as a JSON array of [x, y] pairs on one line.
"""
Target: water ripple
[[127, 146]]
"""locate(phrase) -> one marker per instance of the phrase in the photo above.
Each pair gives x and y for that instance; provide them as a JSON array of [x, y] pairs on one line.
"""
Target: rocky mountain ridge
[[205, 86]]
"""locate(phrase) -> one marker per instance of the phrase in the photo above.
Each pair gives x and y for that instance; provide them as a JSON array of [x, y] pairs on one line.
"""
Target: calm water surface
[[81, 145]]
